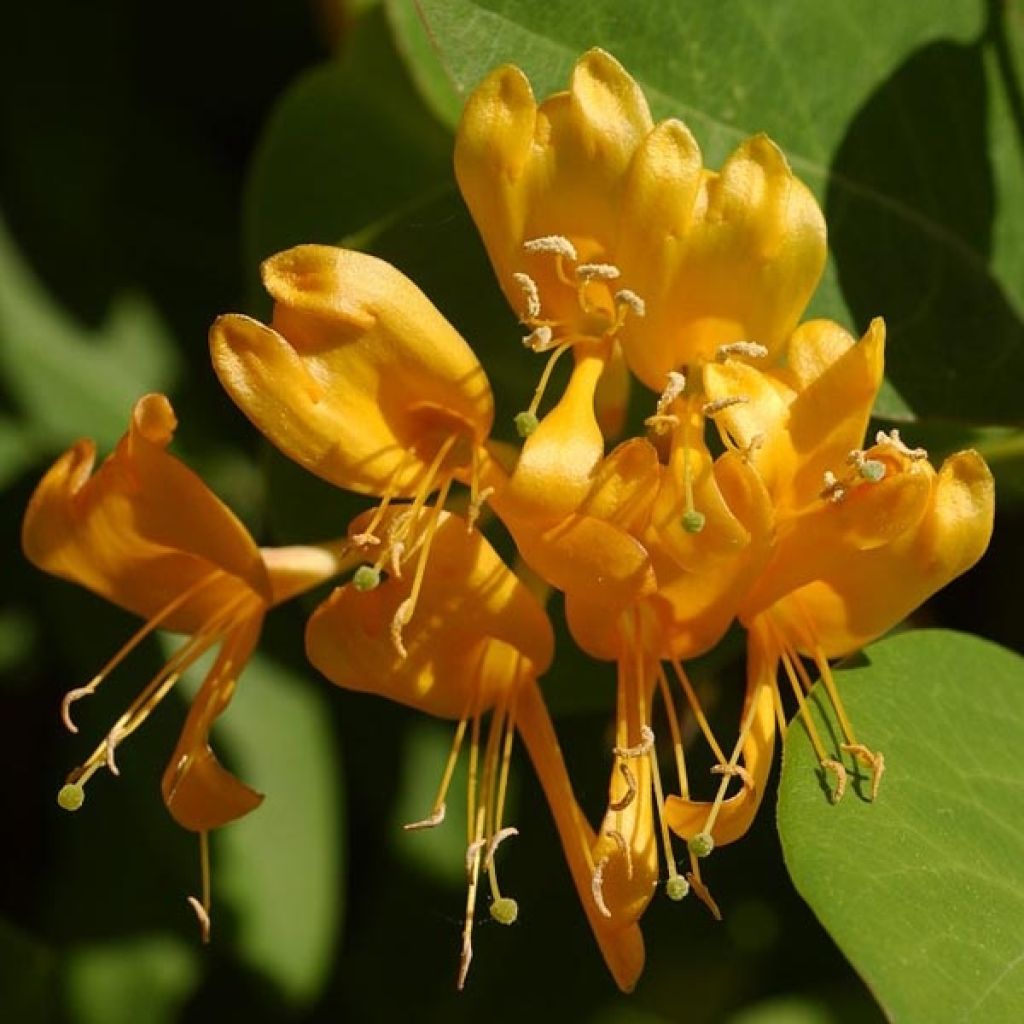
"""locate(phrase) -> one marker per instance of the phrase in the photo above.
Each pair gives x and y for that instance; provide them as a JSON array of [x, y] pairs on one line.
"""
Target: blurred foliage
[[148, 159]]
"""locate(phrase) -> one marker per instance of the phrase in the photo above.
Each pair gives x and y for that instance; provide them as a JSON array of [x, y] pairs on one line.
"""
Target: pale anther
[[719, 404], [397, 553], [874, 761], [113, 738], [597, 272], [204, 918], [364, 540], [643, 747], [756, 443], [629, 298], [662, 424], [475, 507], [540, 339], [597, 887], [69, 698], [833, 490], [402, 615], [839, 770], [530, 293], [496, 840], [471, 853], [735, 771], [750, 349], [894, 440], [558, 245], [433, 821]]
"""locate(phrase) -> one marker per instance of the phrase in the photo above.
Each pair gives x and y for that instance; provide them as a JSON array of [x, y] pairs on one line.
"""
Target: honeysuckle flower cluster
[[751, 497]]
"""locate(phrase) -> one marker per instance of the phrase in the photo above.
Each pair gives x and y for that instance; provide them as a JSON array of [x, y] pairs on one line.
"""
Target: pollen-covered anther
[[540, 339], [435, 819], [496, 840], [894, 440], [871, 759], [472, 851], [645, 745], [834, 489], [69, 698], [721, 404], [735, 771], [597, 887], [830, 764], [556, 245], [748, 349], [203, 916], [403, 613], [530, 293], [626, 297], [598, 272], [366, 540], [662, 421], [114, 737]]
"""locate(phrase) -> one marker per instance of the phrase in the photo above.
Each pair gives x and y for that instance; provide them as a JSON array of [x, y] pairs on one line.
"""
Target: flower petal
[[143, 529], [360, 379]]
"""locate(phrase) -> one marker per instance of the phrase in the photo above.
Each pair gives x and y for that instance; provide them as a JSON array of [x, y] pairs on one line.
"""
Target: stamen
[[133, 641], [663, 420], [597, 272], [834, 489], [830, 764], [530, 293], [436, 818], [472, 852], [719, 404], [874, 761], [496, 840], [476, 504], [557, 245], [642, 748], [735, 771], [368, 537], [113, 738], [749, 349], [476, 842], [755, 444], [523, 420], [597, 887], [675, 887], [540, 339], [631, 788], [628, 298], [697, 710], [894, 440], [676, 732]]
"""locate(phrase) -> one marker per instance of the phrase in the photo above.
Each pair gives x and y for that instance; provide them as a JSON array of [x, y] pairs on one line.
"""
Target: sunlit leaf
[[924, 210], [923, 890]]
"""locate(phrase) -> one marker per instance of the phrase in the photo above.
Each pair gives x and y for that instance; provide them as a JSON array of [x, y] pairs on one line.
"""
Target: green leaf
[[347, 146], [923, 890], [280, 867], [26, 976], [423, 61], [144, 978], [905, 120], [68, 379]]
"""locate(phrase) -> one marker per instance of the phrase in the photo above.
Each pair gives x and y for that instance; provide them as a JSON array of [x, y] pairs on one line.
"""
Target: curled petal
[[360, 379], [143, 528]]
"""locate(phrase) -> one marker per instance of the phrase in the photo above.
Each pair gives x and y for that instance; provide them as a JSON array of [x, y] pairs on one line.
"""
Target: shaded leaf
[[924, 889]]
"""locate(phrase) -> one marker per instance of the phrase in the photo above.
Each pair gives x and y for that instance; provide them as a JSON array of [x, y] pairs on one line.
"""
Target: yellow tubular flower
[[144, 532], [602, 225], [478, 643], [359, 379], [863, 536]]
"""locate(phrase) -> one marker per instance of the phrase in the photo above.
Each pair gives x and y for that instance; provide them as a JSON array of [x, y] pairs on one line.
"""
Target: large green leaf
[[923, 890], [905, 119]]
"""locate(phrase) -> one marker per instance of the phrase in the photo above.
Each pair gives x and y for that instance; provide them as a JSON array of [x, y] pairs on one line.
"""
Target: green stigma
[[505, 910], [701, 844], [366, 577], [872, 470], [676, 888], [693, 521], [526, 423], [71, 796]]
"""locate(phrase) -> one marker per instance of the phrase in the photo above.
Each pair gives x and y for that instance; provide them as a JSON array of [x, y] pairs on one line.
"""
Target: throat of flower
[[486, 792], [592, 311]]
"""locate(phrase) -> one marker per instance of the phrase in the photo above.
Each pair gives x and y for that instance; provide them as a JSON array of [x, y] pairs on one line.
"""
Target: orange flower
[[144, 532]]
